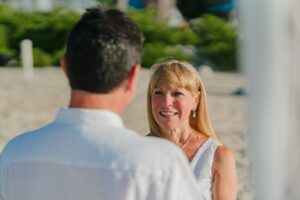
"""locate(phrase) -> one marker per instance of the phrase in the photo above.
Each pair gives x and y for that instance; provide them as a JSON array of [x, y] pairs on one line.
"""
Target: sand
[[29, 104]]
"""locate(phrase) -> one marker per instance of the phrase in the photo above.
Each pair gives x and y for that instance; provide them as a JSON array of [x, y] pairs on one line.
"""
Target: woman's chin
[[169, 128]]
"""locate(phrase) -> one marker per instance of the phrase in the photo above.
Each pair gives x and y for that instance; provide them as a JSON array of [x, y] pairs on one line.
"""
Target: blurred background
[[203, 32]]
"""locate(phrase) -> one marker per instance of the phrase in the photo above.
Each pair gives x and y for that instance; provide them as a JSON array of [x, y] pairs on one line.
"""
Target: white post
[[293, 188], [27, 59], [270, 47]]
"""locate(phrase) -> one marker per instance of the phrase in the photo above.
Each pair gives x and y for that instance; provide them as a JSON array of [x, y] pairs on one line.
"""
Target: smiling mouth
[[167, 113]]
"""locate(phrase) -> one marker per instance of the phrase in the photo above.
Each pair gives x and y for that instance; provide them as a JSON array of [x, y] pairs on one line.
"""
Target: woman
[[177, 111]]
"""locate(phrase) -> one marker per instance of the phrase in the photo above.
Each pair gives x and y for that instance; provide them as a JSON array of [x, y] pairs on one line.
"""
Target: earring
[[194, 113]]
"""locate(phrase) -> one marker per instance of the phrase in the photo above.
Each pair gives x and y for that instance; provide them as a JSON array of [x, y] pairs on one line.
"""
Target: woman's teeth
[[167, 113]]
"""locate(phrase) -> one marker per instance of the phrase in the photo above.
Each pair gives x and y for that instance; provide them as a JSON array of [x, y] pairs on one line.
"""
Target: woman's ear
[[63, 65]]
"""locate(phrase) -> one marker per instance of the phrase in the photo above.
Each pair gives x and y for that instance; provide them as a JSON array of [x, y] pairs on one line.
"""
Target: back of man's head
[[101, 49]]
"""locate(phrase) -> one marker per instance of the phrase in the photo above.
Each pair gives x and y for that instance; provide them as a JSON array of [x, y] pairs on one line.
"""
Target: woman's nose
[[168, 100]]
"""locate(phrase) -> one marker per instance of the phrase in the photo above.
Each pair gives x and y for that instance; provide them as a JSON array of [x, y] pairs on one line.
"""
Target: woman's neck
[[178, 136]]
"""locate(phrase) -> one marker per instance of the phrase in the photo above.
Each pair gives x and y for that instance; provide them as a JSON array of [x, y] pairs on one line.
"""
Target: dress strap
[[203, 159]]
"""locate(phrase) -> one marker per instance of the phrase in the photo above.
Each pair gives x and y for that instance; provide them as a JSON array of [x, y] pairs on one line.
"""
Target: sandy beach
[[29, 104]]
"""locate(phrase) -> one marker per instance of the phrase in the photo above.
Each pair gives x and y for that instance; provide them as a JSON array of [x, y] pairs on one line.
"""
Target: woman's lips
[[168, 113]]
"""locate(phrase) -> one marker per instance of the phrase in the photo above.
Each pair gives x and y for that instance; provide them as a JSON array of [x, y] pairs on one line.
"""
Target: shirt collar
[[97, 117]]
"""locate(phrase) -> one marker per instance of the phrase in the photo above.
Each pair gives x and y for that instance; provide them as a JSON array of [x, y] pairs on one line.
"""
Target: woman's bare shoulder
[[224, 174], [224, 160]]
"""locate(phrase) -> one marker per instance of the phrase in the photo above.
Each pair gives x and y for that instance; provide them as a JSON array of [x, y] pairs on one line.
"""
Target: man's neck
[[86, 100]]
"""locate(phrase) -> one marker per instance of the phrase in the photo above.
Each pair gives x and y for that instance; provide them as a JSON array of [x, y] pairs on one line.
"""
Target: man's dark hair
[[101, 49]]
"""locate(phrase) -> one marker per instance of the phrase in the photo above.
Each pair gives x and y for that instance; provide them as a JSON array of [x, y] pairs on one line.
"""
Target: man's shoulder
[[166, 163], [23, 143], [155, 153], [160, 146], [15, 143], [95, 148]]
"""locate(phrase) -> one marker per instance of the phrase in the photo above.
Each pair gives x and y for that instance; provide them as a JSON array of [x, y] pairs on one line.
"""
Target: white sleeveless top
[[202, 164]]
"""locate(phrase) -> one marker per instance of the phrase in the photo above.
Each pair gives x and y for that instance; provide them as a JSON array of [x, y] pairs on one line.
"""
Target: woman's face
[[171, 107]]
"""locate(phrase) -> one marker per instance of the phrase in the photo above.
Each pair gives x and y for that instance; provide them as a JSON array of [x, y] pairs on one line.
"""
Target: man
[[86, 152]]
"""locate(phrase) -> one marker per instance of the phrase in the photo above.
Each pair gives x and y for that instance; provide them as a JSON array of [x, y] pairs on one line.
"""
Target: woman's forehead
[[168, 87], [163, 85], [167, 84]]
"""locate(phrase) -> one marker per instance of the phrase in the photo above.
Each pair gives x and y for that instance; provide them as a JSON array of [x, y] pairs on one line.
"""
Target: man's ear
[[63, 65], [132, 77]]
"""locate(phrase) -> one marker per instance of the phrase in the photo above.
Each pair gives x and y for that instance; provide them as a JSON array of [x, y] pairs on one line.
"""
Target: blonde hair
[[180, 74]]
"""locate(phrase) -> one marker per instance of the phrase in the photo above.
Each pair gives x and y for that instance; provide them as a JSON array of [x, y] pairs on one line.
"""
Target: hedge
[[214, 38]]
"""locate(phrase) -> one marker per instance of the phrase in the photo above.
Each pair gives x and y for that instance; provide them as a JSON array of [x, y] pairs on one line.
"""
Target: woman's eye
[[177, 93], [158, 93]]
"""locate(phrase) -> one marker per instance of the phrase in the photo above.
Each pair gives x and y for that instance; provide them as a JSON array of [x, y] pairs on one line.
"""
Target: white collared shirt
[[89, 154]]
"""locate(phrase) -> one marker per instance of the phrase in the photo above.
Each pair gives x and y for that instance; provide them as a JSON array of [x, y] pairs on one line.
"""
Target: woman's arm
[[224, 175]]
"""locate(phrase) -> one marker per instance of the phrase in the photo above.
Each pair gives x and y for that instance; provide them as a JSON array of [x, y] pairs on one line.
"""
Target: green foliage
[[5, 15], [48, 31], [213, 37], [160, 32], [4, 50], [57, 56], [161, 39], [41, 58], [217, 42], [156, 51]]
